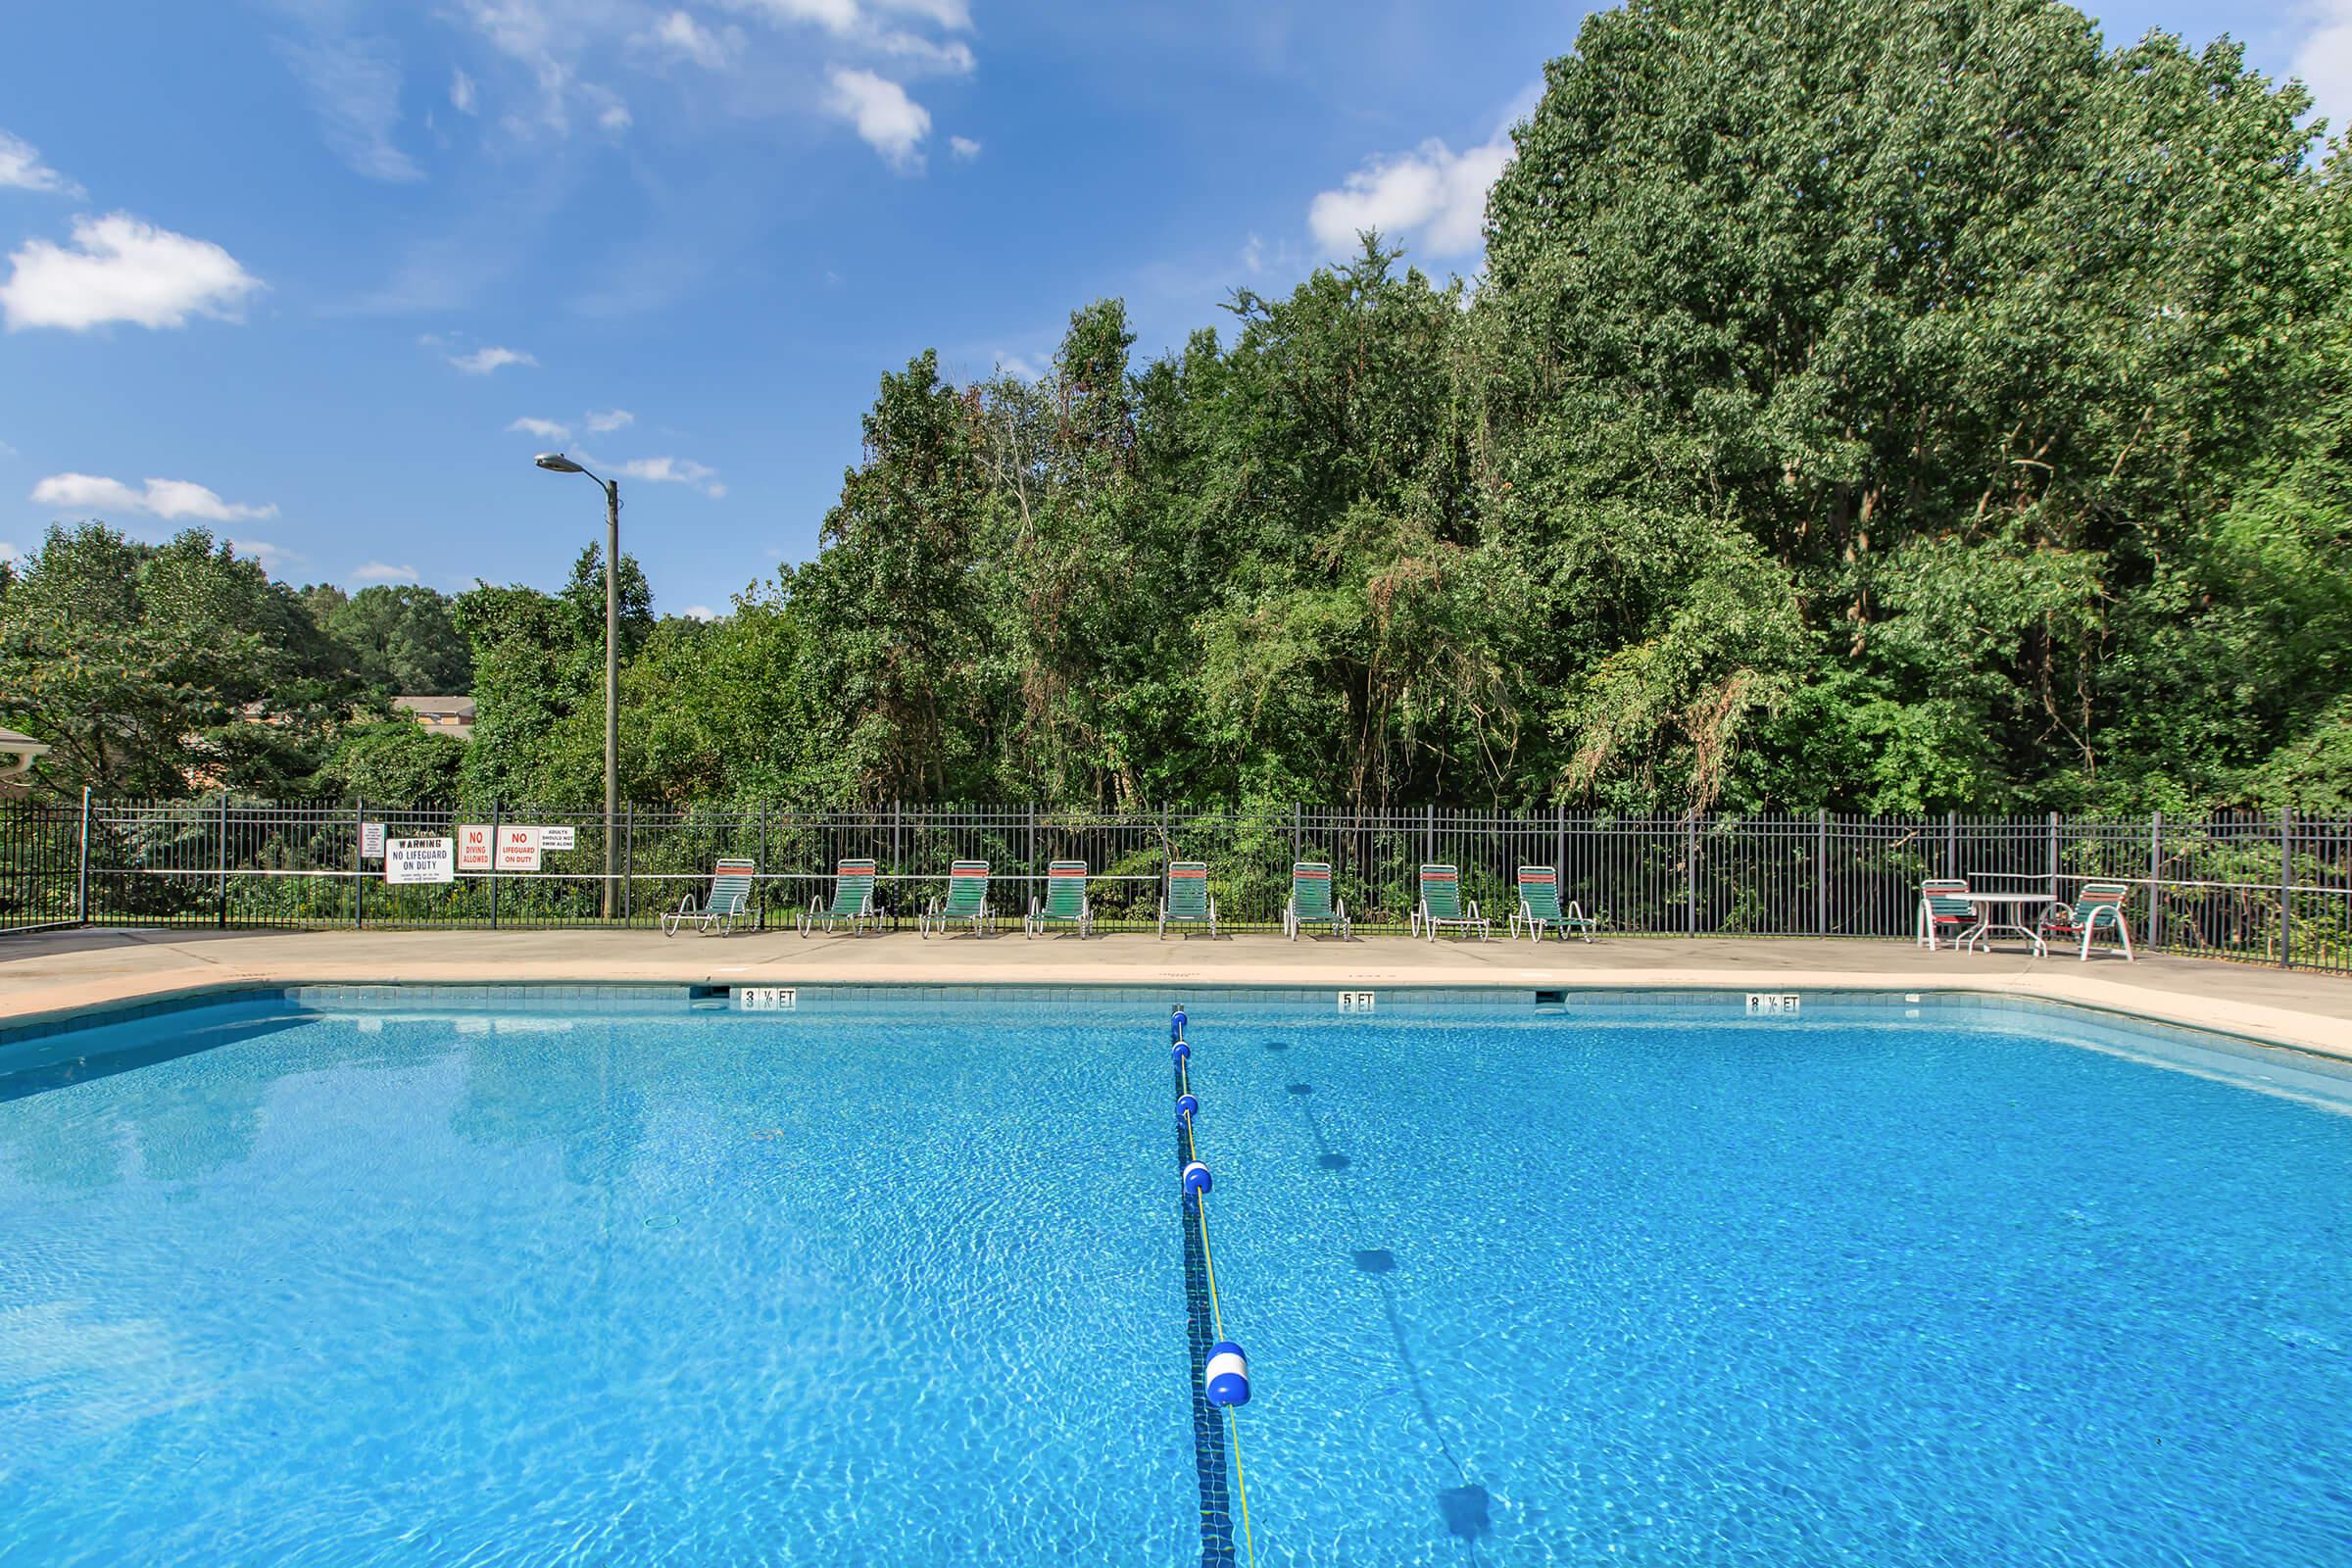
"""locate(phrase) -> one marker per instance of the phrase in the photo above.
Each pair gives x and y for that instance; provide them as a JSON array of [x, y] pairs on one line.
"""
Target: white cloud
[[953, 57], [612, 115], [483, 361], [1254, 254], [544, 429], [699, 613], [2323, 58], [834, 16], [604, 421], [954, 15], [964, 147], [461, 92], [8, 551], [168, 498], [886, 119], [379, 571], [712, 49], [672, 471], [272, 558], [546, 44], [1433, 193], [21, 169], [354, 88], [122, 270], [865, 30]]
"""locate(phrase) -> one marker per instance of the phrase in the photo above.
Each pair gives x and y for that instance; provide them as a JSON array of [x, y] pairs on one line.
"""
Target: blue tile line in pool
[[1216, 1371]]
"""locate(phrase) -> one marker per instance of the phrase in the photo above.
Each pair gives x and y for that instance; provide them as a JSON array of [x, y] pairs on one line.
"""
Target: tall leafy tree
[[403, 639], [891, 602], [1937, 313], [156, 669]]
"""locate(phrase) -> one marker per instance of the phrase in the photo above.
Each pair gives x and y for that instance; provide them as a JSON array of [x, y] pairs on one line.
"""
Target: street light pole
[[558, 463], [612, 675]]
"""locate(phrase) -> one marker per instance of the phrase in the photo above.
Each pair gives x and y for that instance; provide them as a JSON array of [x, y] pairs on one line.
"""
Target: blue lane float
[[1228, 1374], [1180, 1052], [1195, 1178], [1187, 1106]]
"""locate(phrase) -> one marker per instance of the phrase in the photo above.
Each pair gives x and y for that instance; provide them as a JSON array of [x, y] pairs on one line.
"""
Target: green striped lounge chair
[[964, 903], [727, 905], [1947, 915], [2102, 903], [1540, 907], [1187, 902], [1064, 904], [1312, 903], [1441, 905], [853, 902]]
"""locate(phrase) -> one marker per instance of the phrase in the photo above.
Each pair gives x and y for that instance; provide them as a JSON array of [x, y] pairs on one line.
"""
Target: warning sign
[[518, 848], [557, 838], [372, 841], [473, 846], [413, 860]]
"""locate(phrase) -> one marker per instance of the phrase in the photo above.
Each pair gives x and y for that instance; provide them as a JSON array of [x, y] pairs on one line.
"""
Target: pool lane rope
[[1226, 1373]]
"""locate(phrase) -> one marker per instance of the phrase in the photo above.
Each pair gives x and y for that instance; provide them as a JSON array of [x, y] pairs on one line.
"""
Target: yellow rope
[[1241, 1488], [1216, 1318]]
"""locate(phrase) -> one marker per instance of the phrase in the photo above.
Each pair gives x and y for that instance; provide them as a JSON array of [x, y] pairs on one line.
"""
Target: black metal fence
[[2270, 890]]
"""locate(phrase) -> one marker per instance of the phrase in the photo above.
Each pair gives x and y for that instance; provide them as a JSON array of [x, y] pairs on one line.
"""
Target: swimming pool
[[368, 1277]]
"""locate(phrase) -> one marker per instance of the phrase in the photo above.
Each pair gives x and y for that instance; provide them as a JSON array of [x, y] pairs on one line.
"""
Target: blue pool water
[[906, 1286]]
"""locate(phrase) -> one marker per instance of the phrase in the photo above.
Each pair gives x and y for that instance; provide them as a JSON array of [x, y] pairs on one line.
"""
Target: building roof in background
[[460, 708], [11, 741]]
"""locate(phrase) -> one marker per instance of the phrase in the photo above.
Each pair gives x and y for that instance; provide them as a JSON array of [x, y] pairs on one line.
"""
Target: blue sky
[[323, 274]]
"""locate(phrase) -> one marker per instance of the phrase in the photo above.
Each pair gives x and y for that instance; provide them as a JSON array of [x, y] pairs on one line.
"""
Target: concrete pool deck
[[55, 973]]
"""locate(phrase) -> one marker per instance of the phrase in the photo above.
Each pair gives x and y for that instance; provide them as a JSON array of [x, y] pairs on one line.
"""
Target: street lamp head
[[558, 463]]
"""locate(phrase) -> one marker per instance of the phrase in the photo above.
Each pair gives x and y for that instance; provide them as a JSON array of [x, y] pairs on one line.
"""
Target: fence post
[[1951, 843], [81, 868], [1295, 810], [1429, 833], [359, 864], [762, 872], [628, 866], [222, 920], [2287, 883], [498, 822], [1561, 845], [1821, 871], [1691, 872], [2155, 880], [2054, 856]]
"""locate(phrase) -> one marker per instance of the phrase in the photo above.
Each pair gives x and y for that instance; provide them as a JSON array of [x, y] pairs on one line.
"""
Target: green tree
[[897, 625], [396, 760], [583, 596], [403, 640], [157, 669], [1964, 321], [539, 682]]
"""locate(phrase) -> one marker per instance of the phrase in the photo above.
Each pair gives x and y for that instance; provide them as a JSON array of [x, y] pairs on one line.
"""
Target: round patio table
[[1989, 905]]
